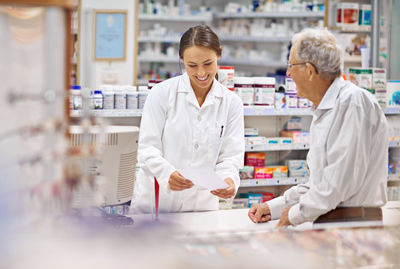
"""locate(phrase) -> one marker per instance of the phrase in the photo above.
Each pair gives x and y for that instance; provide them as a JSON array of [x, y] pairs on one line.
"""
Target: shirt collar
[[216, 89], [329, 99]]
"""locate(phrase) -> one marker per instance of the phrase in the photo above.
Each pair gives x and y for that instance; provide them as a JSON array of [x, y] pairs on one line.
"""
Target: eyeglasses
[[290, 65]]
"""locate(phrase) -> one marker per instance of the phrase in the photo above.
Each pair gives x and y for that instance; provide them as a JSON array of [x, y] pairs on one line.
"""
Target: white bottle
[[131, 97], [98, 100], [108, 97], [120, 98], [75, 101]]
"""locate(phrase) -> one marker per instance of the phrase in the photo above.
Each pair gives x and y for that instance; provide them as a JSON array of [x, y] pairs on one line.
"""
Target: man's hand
[[228, 192], [284, 220], [177, 182], [259, 213]]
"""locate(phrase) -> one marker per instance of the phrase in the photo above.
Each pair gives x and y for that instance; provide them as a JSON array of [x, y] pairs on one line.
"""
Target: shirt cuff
[[295, 216], [276, 207]]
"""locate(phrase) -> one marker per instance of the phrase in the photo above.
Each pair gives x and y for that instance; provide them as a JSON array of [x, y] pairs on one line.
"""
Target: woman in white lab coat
[[190, 121]]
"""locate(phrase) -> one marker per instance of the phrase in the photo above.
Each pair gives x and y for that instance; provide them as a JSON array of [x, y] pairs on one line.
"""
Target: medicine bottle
[[131, 97], [120, 98], [75, 101], [108, 96], [97, 99]]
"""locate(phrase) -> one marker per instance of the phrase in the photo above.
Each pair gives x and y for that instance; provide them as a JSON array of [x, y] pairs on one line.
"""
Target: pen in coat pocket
[[222, 129]]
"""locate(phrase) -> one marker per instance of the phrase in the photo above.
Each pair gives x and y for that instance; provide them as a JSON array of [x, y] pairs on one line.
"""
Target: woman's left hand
[[228, 192]]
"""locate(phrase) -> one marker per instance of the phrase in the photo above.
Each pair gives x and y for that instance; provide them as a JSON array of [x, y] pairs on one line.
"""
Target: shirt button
[[196, 146], [199, 118]]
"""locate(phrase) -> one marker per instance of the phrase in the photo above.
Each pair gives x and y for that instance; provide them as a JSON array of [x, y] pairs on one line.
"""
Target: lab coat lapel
[[187, 88]]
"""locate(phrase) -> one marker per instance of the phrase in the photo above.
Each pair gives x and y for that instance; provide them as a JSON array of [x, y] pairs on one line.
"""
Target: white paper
[[204, 177]]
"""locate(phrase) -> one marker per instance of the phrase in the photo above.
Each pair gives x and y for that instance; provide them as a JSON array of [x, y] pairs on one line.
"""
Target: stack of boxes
[[297, 168], [371, 79]]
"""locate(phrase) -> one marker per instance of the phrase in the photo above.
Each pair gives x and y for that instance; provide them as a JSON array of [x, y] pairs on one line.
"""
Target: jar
[[108, 96], [75, 101], [264, 88], [120, 98], [244, 89], [97, 100], [131, 97], [142, 96]]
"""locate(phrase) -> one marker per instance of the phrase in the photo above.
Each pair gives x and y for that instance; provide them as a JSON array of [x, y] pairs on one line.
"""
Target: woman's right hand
[[177, 182]]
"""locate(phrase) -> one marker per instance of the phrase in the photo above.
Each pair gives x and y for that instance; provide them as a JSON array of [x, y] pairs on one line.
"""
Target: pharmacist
[[348, 142], [190, 121]]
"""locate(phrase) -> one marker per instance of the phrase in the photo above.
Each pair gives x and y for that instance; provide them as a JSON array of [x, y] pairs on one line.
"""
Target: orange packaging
[[255, 158], [263, 172]]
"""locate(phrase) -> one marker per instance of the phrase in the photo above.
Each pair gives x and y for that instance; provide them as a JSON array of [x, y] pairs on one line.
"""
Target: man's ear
[[310, 71]]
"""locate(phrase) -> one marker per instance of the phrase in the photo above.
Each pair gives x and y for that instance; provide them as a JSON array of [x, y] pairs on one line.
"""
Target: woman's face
[[201, 66]]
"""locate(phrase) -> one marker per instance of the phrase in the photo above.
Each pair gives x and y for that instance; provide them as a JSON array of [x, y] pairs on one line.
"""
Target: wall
[[94, 73]]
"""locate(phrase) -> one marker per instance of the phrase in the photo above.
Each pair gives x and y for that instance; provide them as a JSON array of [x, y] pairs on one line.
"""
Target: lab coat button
[[196, 146]]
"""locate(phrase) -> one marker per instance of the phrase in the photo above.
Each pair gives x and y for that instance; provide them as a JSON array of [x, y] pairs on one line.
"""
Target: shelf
[[351, 29], [255, 38], [266, 147], [151, 17], [277, 14], [164, 59], [352, 59], [273, 181], [264, 63], [109, 113], [166, 39], [394, 144], [394, 178], [392, 110], [268, 111]]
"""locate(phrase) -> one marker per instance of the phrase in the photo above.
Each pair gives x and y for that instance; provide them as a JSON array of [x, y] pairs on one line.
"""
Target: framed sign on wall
[[110, 35]]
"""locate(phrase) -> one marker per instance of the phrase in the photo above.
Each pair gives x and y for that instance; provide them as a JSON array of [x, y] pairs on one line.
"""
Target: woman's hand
[[177, 182], [228, 192]]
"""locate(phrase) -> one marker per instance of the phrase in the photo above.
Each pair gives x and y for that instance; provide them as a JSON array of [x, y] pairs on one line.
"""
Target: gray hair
[[320, 48]]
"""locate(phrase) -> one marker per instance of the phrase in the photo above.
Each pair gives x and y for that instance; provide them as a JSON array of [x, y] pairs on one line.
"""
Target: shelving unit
[[251, 15], [199, 18], [109, 113], [266, 147], [273, 181]]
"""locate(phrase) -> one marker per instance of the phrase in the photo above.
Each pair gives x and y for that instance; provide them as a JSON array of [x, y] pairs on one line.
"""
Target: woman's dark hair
[[200, 35]]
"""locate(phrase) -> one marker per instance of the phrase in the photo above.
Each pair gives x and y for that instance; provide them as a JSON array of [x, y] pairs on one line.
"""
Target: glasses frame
[[291, 65]]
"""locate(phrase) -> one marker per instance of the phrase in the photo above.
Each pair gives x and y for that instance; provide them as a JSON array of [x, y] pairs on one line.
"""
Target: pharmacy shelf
[[109, 113], [352, 29], [392, 110], [155, 17], [266, 147], [263, 63], [394, 144], [277, 14], [352, 59], [268, 111], [394, 178], [163, 39], [254, 38], [164, 59], [273, 181]]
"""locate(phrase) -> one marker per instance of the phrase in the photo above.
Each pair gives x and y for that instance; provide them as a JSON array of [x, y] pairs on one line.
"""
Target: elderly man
[[348, 142]]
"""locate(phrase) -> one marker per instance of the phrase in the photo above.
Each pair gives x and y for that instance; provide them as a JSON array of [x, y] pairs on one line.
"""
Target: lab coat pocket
[[214, 142]]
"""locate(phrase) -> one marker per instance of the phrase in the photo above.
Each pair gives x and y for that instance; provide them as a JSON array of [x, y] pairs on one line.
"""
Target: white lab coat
[[175, 132]]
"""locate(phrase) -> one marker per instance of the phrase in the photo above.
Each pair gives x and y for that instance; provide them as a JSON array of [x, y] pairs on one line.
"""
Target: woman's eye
[[192, 66], [207, 63]]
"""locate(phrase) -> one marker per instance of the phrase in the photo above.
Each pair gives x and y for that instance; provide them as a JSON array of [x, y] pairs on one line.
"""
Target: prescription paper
[[204, 177]]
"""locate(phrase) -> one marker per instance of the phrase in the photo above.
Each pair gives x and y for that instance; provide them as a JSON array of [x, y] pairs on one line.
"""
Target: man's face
[[298, 72]]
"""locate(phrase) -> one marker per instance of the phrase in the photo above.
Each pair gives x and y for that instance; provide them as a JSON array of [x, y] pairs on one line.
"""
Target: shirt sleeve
[[347, 163], [150, 156], [231, 155], [289, 198]]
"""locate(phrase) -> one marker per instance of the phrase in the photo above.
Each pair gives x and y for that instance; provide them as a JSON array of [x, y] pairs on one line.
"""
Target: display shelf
[[394, 178], [164, 39], [164, 59], [268, 111], [263, 63], [352, 59], [255, 38], [266, 147], [109, 113], [392, 110], [352, 29], [394, 144], [270, 15], [273, 181], [154, 17]]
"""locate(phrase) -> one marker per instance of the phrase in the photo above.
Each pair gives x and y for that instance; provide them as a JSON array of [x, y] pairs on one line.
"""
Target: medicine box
[[250, 132], [393, 93], [295, 135], [255, 158], [263, 172], [247, 172], [279, 171]]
